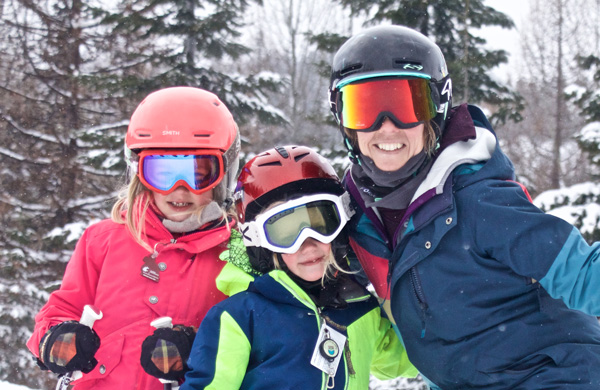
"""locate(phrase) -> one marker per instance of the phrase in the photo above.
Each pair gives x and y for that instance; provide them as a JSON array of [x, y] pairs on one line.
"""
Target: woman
[[487, 291]]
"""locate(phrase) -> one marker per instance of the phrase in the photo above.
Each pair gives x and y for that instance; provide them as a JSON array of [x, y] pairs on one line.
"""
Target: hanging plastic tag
[[150, 269], [328, 350]]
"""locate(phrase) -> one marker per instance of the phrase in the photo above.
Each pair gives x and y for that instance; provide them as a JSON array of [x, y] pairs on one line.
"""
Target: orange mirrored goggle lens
[[363, 103]]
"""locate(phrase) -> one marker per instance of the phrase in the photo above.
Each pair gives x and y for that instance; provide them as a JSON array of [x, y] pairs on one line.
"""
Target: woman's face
[[310, 261], [390, 147], [181, 203]]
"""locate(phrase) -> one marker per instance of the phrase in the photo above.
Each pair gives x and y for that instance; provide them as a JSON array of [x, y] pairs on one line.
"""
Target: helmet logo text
[[170, 132], [413, 67]]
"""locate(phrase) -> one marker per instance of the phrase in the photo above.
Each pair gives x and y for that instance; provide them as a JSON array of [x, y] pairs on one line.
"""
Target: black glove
[[69, 346], [166, 351]]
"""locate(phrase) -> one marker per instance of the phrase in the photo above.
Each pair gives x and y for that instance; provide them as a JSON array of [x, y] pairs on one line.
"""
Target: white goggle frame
[[253, 232]]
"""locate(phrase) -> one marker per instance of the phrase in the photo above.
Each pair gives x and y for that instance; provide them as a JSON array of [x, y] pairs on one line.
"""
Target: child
[[158, 256], [305, 323]]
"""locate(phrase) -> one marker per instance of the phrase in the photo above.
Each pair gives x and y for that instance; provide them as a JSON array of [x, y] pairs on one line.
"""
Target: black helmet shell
[[388, 51]]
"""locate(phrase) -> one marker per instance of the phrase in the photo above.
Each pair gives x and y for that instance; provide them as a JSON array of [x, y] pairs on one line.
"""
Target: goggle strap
[[348, 209], [131, 160], [250, 234]]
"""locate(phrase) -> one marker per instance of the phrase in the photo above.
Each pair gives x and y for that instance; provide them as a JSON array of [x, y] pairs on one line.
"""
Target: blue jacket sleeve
[[574, 275], [512, 230]]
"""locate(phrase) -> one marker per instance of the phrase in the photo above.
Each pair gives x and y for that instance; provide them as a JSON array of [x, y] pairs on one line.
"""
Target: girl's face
[[181, 203], [390, 147], [310, 262]]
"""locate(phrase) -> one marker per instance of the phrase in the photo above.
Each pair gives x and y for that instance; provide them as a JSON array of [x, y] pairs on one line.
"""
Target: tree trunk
[[560, 103]]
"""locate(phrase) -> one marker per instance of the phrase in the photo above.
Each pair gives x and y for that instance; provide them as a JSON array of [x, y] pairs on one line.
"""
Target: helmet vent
[[270, 164], [144, 135], [201, 135], [300, 156], [350, 69], [281, 150]]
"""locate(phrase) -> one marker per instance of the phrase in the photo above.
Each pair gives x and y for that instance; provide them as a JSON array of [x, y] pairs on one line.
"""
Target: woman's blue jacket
[[487, 291]]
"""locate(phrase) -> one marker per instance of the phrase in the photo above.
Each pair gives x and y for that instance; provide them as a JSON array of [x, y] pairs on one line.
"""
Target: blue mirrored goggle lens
[[164, 171], [284, 228]]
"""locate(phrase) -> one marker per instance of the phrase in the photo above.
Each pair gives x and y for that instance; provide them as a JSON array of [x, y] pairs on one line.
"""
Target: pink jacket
[[105, 270]]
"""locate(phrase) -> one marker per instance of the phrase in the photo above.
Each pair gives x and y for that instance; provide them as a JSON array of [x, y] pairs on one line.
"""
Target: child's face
[[181, 203], [310, 261]]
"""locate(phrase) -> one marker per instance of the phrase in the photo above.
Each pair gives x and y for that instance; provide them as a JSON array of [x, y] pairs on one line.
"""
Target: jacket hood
[[483, 150], [279, 287]]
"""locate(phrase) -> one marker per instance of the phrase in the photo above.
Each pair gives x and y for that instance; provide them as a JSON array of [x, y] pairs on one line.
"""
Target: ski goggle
[[285, 227], [164, 170], [407, 102]]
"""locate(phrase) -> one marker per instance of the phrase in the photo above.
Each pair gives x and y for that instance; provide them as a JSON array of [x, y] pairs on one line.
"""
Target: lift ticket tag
[[328, 350]]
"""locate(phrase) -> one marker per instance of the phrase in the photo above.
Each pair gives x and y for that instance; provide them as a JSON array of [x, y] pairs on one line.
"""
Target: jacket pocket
[[108, 356], [526, 365], [507, 373]]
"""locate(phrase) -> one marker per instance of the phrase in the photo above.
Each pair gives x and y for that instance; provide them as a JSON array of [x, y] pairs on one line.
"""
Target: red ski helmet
[[185, 118], [181, 117], [279, 174]]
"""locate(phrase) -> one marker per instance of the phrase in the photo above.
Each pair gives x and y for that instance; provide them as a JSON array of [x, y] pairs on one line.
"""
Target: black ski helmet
[[391, 51]]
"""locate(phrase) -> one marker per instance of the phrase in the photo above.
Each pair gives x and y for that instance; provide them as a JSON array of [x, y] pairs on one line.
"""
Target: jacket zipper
[[324, 376], [418, 291]]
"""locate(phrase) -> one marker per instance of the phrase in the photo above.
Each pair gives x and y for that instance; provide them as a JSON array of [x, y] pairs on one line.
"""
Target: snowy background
[[58, 169]]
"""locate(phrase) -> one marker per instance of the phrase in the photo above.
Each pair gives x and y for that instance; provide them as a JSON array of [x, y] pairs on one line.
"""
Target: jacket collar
[[462, 152], [279, 287], [161, 239]]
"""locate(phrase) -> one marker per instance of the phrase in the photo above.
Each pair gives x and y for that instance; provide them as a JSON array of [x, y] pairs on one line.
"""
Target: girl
[[157, 256], [305, 323]]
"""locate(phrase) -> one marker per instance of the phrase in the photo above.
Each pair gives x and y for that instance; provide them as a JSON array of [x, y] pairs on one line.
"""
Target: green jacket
[[264, 338]]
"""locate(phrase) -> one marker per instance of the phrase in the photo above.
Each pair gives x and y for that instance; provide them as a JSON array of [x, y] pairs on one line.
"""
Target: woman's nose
[[388, 125]]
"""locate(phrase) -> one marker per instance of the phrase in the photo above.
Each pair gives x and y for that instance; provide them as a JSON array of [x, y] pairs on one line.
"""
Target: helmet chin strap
[[352, 155]]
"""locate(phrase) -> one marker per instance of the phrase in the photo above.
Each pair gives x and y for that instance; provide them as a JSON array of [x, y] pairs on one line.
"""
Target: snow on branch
[[575, 194], [20, 157], [14, 202], [104, 127], [29, 132], [92, 200], [101, 172]]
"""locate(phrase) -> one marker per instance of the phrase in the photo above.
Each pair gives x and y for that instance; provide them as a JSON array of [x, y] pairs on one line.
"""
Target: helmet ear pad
[[261, 259]]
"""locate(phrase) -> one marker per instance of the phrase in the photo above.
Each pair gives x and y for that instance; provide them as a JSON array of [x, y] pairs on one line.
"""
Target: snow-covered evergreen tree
[[72, 73]]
